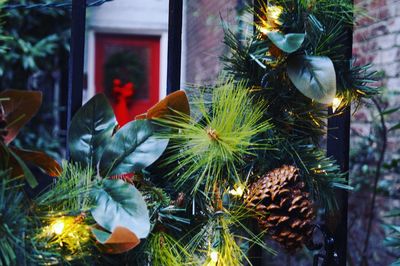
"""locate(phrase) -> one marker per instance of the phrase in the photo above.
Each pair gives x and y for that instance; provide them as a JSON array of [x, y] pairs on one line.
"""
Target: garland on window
[[174, 187]]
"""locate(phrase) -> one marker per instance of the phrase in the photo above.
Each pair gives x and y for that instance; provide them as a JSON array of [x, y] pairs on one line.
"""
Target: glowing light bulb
[[336, 103], [237, 191], [274, 12], [265, 30], [270, 21], [214, 256], [57, 227]]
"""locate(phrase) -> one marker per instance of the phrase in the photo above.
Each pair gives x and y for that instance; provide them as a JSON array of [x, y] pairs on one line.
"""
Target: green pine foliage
[[17, 226], [299, 122], [163, 249], [70, 193], [212, 151], [3, 39], [65, 206], [13, 221]]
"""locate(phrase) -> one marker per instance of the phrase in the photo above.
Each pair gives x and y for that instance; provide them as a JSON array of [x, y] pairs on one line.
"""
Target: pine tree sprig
[[165, 250], [212, 150], [70, 193]]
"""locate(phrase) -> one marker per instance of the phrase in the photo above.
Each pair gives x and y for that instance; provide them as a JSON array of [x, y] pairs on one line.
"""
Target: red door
[[127, 70]]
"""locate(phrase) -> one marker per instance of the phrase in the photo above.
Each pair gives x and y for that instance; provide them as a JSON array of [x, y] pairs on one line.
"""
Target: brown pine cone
[[283, 207]]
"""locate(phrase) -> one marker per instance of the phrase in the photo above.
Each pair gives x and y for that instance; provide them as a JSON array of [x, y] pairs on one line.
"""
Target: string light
[[69, 232], [214, 256], [336, 103], [270, 21], [57, 227], [238, 191], [319, 170], [274, 12]]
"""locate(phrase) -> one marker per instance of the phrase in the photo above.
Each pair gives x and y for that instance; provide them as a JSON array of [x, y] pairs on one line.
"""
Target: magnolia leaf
[[5, 156], [131, 149], [119, 241], [41, 160], [174, 104], [91, 127], [314, 76], [19, 107], [119, 204], [20, 168], [288, 43], [141, 116]]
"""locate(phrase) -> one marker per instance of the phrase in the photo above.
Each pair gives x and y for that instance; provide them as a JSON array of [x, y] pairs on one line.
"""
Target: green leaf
[[314, 76], [131, 149], [119, 204], [91, 127], [395, 127], [288, 43], [393, 213], [393, 227], [392, 241], [100, 235], [390, 111], [396, 263]]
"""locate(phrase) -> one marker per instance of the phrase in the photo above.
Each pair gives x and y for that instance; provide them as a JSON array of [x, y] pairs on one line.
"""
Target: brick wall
[[377, 38], [204, 38], [377, 41]]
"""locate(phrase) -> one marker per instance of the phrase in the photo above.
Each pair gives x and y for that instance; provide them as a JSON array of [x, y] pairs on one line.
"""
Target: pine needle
[[70, 193], [211, 150]]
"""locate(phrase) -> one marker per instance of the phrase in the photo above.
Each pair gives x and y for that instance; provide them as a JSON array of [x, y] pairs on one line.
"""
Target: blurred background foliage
[[375, 175], [37, 39], [36, 58]]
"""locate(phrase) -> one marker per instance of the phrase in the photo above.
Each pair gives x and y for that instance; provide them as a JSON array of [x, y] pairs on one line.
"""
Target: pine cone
[[283, 207]]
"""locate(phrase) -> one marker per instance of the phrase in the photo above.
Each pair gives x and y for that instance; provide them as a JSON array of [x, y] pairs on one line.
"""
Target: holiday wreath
[[174, 188]]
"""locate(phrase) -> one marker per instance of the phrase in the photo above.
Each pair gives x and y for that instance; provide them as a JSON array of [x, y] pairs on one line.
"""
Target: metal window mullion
[[338, 146], [174, 45], [76, 60]]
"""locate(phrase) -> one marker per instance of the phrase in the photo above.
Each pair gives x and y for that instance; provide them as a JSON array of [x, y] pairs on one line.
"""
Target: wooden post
[[174, 45]]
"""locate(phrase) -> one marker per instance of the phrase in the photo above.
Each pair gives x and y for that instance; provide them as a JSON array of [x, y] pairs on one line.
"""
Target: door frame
[[91, 52]]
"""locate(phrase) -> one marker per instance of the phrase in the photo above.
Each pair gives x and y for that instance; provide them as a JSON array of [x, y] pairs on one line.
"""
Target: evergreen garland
[[298, 120], [171, 189]]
